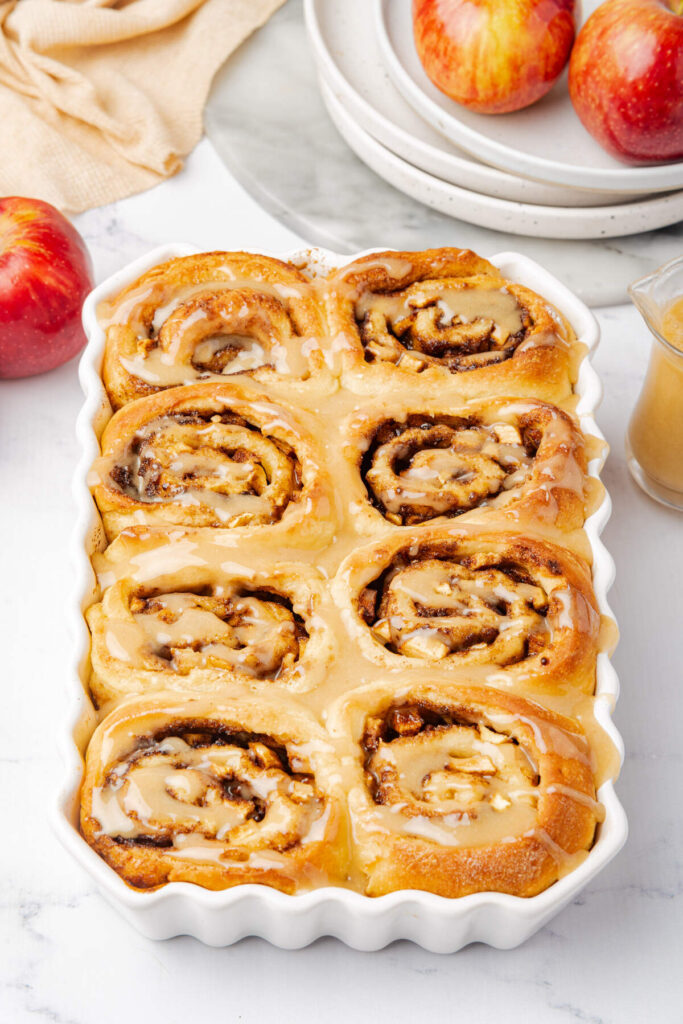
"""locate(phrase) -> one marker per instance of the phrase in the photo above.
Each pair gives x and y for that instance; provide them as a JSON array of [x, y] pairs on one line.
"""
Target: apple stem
[[676, 6]]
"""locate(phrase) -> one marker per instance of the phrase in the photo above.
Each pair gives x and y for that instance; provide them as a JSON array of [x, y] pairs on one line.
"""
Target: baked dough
[[211, 455], [459, 790], [348, 576], [415, 461], [219, 792], [447, 320], [209, 316], [210, 622], [511, 608]]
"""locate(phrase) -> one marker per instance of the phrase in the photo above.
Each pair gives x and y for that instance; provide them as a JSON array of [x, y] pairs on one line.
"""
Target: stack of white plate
[[534, 172]]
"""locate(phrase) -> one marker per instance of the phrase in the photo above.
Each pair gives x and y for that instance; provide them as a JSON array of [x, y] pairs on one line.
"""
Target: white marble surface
[[613, 957], [266, 100]]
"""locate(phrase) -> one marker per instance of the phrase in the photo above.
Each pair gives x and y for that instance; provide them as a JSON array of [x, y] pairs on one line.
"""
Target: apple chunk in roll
[[216, 792], [209, 316], [448, 319], [211, 455], [457, 790], [514, 609]]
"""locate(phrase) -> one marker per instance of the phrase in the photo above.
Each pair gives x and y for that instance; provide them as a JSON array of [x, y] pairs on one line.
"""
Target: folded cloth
[[102, 98]]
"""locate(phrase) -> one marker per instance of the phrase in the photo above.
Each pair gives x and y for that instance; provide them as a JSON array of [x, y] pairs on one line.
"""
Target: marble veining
[[612, 957]]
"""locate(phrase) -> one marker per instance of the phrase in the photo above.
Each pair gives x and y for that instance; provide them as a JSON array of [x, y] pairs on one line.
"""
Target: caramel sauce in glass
[[655, 435]]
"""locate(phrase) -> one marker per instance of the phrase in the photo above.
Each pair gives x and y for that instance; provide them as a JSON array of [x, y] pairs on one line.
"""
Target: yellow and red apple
[[626, 78], [45, 274], [494, 56]]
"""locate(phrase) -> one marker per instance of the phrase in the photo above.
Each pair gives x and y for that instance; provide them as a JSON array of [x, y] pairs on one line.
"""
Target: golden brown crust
[[206, 623], [447, 320], [346, 564], [210, 455], [507, 606], [237, 793], [506, 802], [263, 309], [418, 461]]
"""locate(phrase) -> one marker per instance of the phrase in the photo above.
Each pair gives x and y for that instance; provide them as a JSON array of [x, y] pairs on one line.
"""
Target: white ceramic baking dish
[[221, 918]]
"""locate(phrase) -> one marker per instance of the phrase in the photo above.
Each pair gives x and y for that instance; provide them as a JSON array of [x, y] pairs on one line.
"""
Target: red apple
[[45, 274], [494, 56], [626, 78]]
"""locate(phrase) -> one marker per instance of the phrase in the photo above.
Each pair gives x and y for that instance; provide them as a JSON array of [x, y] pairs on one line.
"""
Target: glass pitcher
[[654, 442]]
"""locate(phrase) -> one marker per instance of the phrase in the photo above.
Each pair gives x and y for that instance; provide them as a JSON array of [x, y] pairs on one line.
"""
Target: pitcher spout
[[653, 294]]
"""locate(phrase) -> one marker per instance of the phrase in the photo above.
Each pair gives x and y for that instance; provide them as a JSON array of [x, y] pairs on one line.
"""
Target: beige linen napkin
[[103, 98]]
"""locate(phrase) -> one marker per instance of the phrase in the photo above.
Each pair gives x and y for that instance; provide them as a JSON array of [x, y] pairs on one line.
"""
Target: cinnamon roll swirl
[[457, 790], [210, 455], [197, 620], [216, 792], [209, 316], [518, 610], [446, 318], [418, 461]]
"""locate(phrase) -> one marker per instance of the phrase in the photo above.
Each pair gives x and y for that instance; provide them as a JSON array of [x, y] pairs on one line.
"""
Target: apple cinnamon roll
[[190, 617], [210, 455], [209, 316], [446, 318], [457, 790], [514, 609], [215, 792], [418, 461]]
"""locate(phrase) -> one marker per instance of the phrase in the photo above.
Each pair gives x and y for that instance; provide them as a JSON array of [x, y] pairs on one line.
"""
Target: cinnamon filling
[[427, 467], [218, 461], [255, 632], [216, 332], [474, 608], [200, 782], [443, 764], [447, 323]]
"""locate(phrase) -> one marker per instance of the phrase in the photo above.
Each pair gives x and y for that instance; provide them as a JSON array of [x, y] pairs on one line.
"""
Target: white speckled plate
[[502, 214], [545, 141], [349, 60]]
